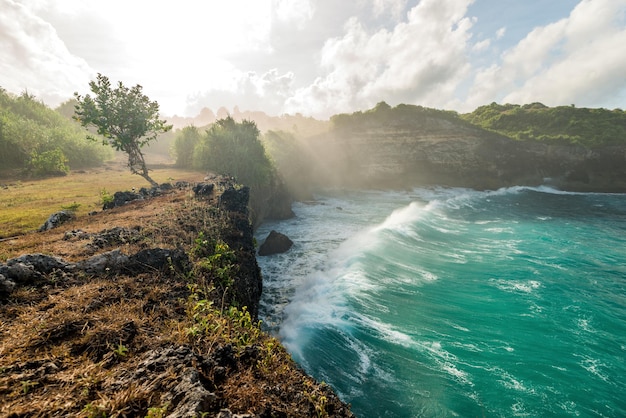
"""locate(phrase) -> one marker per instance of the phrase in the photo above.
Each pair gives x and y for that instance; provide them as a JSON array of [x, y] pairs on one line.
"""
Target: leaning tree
[[125, 117]]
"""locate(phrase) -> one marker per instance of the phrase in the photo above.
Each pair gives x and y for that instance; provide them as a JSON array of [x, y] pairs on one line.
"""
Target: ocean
[[444, 302]]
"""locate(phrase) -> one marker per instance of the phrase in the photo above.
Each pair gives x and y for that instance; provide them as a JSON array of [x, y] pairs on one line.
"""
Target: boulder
[[106, 263], [203, 189], [6, 287], [122, 198], [275, 243], [157, 259], [56, 219]]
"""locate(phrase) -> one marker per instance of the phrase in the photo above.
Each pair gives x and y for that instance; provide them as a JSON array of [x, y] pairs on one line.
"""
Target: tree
[[234, 148], [126, 118]]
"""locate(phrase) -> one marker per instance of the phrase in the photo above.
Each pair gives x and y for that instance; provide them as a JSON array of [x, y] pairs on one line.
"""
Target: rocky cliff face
[[439, 151]]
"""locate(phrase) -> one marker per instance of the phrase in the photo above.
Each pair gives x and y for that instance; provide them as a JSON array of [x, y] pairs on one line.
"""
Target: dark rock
[[235, 199], [115, 236], [275, 243], [42, 263], [106, 263], [203, 189], [6, 286], [182, 184], [122, 198], [56, 219], [21, 273], [76, 235], [157, 259], [29, 269]]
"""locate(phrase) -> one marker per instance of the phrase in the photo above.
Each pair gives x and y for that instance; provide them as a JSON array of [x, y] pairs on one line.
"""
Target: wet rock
[[56, 219], [275, 243]]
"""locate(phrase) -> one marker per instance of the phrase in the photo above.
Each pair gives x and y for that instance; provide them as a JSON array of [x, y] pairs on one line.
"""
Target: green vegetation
[[233, 148], [41, 142], [185, 144], [126, 118], [562, 124], [230, 148], [401, 116]]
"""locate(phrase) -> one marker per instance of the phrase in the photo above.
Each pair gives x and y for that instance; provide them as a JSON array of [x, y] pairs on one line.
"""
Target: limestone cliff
[[428, 147]]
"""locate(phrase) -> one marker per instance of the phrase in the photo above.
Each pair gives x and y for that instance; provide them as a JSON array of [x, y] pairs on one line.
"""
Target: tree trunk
[[137, 164]]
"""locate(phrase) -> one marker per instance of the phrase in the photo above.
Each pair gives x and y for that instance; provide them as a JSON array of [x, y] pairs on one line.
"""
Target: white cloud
[[248, 91], [422, 60], [392, 7], [579, 59], [500, 32], [298, 12], [33, 57]]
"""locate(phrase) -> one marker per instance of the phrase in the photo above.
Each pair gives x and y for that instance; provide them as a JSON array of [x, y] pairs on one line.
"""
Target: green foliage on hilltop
[[233, 148], [401, 116], [562, 124], [39, 140]]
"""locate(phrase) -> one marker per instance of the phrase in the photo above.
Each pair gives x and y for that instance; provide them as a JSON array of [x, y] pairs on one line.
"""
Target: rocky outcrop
[[57, 219], [442, 151], [275, 243]]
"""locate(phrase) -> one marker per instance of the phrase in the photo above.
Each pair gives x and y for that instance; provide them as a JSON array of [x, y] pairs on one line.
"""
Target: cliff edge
[[146, 309]]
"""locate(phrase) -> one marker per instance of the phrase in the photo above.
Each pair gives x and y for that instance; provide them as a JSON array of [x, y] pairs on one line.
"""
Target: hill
[[408, 146], [558, 125]]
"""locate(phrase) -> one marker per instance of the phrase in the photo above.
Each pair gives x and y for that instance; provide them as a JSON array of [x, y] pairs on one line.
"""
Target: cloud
[[298, 12], [393, 7], [574, 60], [249, 91], [34, 58], [421, 60]]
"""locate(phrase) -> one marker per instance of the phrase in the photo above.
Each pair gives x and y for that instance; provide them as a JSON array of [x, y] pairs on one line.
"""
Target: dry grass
[[26, 204], [74, 345]]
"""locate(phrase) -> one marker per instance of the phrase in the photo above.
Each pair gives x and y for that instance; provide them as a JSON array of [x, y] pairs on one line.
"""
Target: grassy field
[[26, 204]]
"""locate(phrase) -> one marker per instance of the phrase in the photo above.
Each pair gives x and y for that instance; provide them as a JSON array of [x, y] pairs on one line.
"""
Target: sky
[[320, 57]]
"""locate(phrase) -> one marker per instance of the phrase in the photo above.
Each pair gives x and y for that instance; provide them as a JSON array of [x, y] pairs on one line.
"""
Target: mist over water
[[453, 302]]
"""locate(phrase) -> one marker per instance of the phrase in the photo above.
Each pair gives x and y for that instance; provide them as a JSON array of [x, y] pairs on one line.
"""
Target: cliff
[[413, 146], [146, 309]]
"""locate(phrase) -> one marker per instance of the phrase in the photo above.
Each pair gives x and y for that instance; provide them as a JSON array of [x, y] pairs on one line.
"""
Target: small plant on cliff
[[105, 197], [215, 260]]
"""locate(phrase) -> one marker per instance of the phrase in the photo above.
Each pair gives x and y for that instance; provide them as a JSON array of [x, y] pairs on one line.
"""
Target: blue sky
[[320, 57]]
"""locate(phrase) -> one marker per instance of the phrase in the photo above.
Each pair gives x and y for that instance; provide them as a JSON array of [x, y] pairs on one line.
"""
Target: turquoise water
[[453, 302]]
